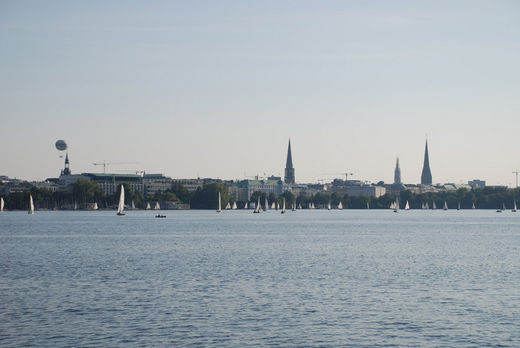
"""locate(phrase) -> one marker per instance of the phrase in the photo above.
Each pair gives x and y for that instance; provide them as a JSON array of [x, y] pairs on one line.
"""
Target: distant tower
[[397, 173], [426, 176], [289, 170], [66, 170]]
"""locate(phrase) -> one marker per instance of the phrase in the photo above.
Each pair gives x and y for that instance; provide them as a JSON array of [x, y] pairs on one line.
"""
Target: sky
[[217, 88]]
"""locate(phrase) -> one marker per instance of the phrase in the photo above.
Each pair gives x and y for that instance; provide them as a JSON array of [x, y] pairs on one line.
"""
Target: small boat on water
[[95, 207], [31, 205], [234, 207], [434, 206], [1, 204], [514, 207], [219, 209], [121, 205], [160, 216], [340, 206], [396, 205], [228, 206], [445, 205], [148, 206], [257, 208], [368, 205], [273, 205], [407, 206], [283, 206], [329, 206], [245, 206], [458, 206], [473, 206], [294, 206], [266, 204], [157, 206]]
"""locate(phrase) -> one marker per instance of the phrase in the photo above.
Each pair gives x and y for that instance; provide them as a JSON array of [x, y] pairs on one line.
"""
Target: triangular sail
[[228, 206], [445, 205], [157, 206], [121, 205], [273, 205], [133, 205], [434, 206], [95, 207], [340, 206], [245, 205], [329, 206], [148, 206], [283, 206], [1, 204], [473, 206], [257, 208], [234, 207], [368, 205], [31, 205], [407, 206]]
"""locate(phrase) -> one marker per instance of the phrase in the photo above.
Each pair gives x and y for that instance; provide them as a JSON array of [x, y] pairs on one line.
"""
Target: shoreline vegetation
[[83, 195]]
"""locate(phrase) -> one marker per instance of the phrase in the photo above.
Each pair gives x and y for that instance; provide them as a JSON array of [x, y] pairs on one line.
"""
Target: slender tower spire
[[289, 170], [397, 173], [66, 170], [426, 176]]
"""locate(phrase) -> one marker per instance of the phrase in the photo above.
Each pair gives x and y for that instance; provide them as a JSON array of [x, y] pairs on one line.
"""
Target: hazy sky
[[216, 88]]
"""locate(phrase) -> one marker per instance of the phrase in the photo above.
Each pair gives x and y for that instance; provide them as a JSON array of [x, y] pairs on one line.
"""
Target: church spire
[[426, 176], [397, 173], [66, 170], [289, 170]]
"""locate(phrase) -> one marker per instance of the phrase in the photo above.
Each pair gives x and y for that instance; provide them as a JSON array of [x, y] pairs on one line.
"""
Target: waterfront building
[[476, 183], [289, 169], [110, 183], [426, 176], [190, 184], [154, 183], [397, 173]]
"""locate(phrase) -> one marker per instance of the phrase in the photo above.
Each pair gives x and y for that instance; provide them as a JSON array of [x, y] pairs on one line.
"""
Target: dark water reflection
[[309, 278]]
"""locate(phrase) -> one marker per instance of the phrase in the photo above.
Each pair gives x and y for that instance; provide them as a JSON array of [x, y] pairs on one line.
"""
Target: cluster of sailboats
[[395, 206]]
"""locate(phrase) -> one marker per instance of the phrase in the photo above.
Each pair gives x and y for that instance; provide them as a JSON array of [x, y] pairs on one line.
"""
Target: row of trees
[[84, 191]]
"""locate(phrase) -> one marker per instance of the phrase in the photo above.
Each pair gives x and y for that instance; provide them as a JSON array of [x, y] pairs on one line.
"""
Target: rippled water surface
[[306, 278]]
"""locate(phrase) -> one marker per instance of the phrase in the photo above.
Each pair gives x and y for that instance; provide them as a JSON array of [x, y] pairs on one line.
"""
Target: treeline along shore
[[84, 194]]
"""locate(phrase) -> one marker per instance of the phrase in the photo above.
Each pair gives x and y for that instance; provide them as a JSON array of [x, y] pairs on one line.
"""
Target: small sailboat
[[277, 205], [273, 205], [445, 205], [133, 205], [514, 207], [266, 204], [228, 206], [245, 206], [329, 206], [294, 206], [368, 205], [426, 205], [121, 205], [473, 206], [148, 206], [95, 207], [257, 208], [396, 205], [299, 206], [1, 204], [407, 206], [31, 205], [458, 206], [434, 206], [234, 207], [75, 205], [219, 209], [340, 206], [312, 206], [157, 206], [283, 206]]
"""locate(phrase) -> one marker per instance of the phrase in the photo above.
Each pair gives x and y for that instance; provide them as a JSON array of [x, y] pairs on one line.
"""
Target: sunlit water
[[306, 278]]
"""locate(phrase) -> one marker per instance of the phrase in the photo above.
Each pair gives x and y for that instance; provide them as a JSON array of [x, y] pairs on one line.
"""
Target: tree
[[87, 191], [207, 197]]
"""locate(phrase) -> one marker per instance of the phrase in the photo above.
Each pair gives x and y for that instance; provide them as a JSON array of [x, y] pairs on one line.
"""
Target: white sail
[[434, 206], [157, 206], [1, 204], [219, 204], [273, 205], [283, 206], [396, 204], [31, 205], [407, 206], [228, 206], [266, 205], [458, 206], [245, 205], [294, 206], [300, 206], [75, 205], [312, 205], [473, 206], [148, 206], [340, 206], [277, 205], [423, 206], [121, 205], [514, 206], [392, 205], [234, 207], [95, 207], [445, 205], [133, 205], [368, 205], [503, 206], [329, 206], [257, 208]]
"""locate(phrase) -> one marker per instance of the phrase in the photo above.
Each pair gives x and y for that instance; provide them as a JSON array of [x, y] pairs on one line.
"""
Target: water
[[306, 278]]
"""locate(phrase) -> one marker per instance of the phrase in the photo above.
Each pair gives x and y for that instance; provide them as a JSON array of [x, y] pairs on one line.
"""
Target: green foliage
[[86, 191], [207, 197]]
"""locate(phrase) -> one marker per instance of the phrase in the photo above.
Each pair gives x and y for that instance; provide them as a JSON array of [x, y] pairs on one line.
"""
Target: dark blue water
[[308, 278]]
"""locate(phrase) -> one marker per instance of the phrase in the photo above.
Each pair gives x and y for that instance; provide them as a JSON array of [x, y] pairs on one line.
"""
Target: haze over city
[[215, 89]]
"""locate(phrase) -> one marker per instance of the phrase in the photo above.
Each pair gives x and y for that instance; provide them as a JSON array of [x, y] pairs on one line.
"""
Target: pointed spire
[[66, 170], [426, 176], [289, 169], [397, 173]]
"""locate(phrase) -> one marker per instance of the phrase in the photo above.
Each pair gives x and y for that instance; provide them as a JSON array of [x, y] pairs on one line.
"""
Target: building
[[426, 176], [110, 182], [397, 173], [366, 190], [154, 183], [190, 184], [475, 184], [289, 169]]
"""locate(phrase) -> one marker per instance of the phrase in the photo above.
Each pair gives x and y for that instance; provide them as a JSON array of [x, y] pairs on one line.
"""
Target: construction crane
[[516, 172], [346, 174], [105, 164]]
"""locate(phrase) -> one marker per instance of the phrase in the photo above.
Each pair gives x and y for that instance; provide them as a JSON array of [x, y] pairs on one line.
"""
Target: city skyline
[[216, 90]]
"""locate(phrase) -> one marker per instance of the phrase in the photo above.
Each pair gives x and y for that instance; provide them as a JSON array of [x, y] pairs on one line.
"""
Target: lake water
[[306, 278]]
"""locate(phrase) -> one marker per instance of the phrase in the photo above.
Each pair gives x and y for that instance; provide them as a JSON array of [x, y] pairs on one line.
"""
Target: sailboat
[[148, 206], [31, 205], [219, 209], [277, 205], [273, 205], [434, 206], [95, 207], [294, 206], [312, 206], [300, 206], [228, 206], [283, 206], [75, 205], [458, 206], [1, 204], [133, 205], [426, 205], [445, 205], [234, 207], [514, 207], [121, 205], [368, 205], [266, 205], [157, 206], [396, 205], [407, 206], [329, 206], [340, 206], [245, 205], [473, 206], [257, 208]]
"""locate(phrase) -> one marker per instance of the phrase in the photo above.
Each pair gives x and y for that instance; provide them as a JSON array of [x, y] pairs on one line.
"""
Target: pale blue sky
[[216, 88]]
